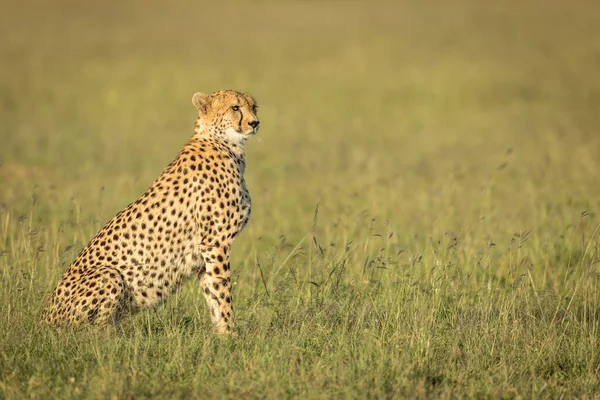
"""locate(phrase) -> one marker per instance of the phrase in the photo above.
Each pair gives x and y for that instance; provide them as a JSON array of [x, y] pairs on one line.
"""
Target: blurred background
[[429, 115]]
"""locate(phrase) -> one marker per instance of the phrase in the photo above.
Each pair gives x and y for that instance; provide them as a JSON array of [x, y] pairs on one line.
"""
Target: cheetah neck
[[232, 140]]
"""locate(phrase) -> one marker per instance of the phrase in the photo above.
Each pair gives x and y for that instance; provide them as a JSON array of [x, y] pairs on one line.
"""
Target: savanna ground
[[426, 195]]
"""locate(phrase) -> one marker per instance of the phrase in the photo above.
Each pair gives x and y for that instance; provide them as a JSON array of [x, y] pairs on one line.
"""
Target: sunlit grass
[[425, 196]]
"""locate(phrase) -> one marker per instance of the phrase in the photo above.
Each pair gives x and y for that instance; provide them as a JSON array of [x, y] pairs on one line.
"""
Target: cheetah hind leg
[[110, 300]]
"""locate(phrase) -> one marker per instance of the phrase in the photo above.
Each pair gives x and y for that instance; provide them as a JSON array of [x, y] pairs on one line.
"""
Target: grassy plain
[[426, 195]]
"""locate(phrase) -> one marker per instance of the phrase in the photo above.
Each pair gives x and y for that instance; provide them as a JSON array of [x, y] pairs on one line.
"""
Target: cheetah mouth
[[251, 132]]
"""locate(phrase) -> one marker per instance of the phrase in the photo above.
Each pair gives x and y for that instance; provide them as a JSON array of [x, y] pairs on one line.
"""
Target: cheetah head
[[227, 114]]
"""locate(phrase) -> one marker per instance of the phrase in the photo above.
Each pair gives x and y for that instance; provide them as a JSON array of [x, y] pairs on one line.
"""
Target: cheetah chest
[[245, 206]]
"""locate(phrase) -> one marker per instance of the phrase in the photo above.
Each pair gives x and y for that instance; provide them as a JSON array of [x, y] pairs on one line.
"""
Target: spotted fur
[[183, 226]]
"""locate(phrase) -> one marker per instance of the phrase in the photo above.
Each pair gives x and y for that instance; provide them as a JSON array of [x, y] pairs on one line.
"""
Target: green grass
[[426, 195]]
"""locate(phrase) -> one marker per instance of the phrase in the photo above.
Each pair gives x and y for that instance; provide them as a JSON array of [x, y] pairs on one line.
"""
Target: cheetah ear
[[200, 101]]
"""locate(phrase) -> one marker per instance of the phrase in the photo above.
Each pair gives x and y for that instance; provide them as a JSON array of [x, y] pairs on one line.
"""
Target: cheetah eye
[[235, 108], [255, 108]]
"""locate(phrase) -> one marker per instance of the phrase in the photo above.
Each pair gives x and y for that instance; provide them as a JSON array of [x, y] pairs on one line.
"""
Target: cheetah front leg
[[216, 287]]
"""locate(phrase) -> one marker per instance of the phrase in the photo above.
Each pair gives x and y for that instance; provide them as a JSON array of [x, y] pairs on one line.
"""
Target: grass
[[425, 196]]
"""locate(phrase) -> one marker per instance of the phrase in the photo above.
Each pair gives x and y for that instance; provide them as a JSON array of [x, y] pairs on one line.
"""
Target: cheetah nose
[[254, 123]]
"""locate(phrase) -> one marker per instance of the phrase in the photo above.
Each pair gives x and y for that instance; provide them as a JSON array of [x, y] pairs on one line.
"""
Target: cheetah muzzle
[[183, 226]]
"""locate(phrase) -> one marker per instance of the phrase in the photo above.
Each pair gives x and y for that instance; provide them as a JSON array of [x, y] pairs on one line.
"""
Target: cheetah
[[182, 227]]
